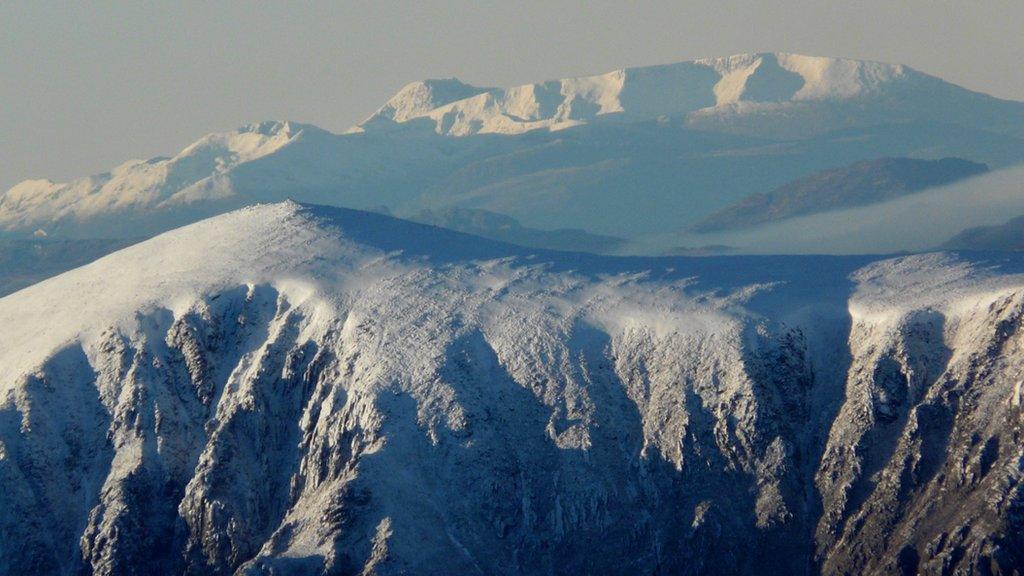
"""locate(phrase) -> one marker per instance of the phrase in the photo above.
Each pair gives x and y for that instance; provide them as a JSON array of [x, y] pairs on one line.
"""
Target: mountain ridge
[[294, 389], [704, 86], [646, 172]]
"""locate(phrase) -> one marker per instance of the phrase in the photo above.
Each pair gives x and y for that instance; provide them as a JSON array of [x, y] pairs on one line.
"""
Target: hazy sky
[[84, 87]]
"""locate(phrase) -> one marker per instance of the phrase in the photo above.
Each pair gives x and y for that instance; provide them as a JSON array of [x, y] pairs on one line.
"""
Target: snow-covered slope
[[150, 183], [292, 389], [196, 174]]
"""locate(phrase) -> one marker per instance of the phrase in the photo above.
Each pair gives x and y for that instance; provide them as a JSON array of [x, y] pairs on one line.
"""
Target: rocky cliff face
[[279, 391]]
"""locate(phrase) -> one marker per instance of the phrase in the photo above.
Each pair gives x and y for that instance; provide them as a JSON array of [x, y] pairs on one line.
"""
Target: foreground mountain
[[290, 389], [637, 154], [858, 184]]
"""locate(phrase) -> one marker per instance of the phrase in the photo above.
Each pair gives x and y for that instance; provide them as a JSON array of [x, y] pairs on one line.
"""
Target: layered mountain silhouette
[[1006, 236], [639, 153], [859, 184]]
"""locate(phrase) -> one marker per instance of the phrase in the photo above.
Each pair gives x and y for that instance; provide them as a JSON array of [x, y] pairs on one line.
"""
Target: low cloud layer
[[914, 223]]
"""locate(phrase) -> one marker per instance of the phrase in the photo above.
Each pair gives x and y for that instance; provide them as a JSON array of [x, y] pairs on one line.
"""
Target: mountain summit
[[291, 389], [705, 88]]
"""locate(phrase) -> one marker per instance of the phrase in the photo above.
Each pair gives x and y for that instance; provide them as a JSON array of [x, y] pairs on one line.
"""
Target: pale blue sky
[[86, 86]]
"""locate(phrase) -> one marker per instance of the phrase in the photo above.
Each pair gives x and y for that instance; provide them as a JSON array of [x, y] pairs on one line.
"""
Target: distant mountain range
[[638, 154], [756, 94], [858, 184]]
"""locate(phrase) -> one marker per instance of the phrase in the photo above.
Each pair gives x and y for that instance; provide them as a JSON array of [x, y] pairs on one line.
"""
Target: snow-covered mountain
[[633, 153], [293, 389], [706, 92], [197, 173]]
